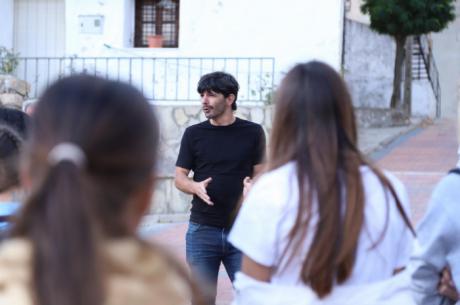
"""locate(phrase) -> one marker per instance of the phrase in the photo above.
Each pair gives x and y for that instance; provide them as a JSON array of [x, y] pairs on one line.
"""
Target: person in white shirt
[[322, 215]]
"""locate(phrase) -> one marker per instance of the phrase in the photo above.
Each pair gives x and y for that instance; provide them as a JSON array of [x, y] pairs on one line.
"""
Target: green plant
[[9, 61], [403, 18], [270, 95], [264, 89]]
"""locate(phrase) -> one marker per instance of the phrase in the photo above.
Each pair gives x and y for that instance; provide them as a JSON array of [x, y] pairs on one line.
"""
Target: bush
[[9, 61]]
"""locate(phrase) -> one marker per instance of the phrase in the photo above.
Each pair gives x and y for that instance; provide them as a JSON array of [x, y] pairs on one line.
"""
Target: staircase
[[419, 68], [424, 67]]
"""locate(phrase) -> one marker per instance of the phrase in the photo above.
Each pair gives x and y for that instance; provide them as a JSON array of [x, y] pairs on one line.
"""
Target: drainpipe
[[345, 5]]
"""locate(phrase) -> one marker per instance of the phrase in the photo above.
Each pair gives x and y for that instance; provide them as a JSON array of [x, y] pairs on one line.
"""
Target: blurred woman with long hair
[[322, 216], [89, 167]]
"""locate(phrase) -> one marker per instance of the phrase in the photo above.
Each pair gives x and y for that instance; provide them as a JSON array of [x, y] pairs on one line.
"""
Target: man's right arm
[[187, 185]]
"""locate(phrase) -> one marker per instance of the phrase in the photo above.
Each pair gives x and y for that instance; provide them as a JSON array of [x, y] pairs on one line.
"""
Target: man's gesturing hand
[[200, 190], [247, 184]]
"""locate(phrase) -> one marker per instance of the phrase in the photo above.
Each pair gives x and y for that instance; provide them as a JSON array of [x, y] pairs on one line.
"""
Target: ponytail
[[59, 222]]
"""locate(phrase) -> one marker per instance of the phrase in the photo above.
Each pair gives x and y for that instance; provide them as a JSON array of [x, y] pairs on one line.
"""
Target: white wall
[[291, 30], [114, 28], [6, 23], [423, 99], [368, 71], [354, 12], [447, 57], [368, 65]]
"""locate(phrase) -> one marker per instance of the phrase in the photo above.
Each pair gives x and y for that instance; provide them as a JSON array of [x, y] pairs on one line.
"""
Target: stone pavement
[[418, 155], [420, 159]]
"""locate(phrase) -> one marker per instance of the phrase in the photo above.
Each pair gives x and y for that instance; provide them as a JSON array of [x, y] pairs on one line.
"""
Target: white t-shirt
[[269, 212]]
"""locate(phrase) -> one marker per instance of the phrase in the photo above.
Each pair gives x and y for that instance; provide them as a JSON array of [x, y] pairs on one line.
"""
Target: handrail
[[431, 68]]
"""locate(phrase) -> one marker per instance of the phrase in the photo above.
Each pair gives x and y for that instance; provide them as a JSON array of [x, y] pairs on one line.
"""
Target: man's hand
[[247, 183], [446, 285], [187, 185], [199, 189]]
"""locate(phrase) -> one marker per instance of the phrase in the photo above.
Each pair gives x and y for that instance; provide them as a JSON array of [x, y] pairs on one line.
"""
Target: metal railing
[[425, 52], [159, 79]]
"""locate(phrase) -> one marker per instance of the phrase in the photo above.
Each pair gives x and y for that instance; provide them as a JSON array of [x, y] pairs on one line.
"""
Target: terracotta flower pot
[[155, 41]]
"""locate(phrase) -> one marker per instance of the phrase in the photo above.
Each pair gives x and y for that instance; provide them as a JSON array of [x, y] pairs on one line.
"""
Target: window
[[157, 20]]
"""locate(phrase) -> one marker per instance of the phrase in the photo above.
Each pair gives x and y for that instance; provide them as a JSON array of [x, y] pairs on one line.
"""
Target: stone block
[[168, 128], [244, 113], [180, 202], [257, 115], [376, 117], [180, 117], [11, 84], [11, 100], [269, 113], [161, 196], [192, 111]]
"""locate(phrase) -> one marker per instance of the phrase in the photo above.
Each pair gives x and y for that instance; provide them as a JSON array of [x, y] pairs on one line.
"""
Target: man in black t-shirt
[[223, 152]]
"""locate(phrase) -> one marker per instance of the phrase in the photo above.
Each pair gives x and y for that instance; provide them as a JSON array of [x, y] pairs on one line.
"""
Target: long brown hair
[[72, 209], [314, 125]]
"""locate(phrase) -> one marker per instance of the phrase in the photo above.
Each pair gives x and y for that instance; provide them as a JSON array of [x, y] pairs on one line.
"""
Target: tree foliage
[[403, 18], [409, 17]]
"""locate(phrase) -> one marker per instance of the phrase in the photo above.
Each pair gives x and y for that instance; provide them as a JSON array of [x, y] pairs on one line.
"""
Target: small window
[[156, 23]]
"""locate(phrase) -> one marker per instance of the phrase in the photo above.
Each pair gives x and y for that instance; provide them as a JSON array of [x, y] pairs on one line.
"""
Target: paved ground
[[418, 155], [420, 159]]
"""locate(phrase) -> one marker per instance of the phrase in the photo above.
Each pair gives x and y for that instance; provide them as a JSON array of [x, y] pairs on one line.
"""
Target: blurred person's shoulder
[[446, 194], [137, 273], [448, 186], [141, 273], [15, 271]]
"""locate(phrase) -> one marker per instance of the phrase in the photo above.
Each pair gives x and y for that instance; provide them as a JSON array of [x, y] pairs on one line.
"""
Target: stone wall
[[368, 71], [13, 91], [368, 65], [173, 122], [380, 118]]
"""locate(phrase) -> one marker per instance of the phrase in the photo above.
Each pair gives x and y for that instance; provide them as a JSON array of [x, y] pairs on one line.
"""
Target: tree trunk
[[407, 100], [399, 60]]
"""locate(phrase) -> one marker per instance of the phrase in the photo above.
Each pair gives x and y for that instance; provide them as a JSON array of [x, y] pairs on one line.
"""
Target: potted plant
[[13, 90], [8, 61], [155, 41]]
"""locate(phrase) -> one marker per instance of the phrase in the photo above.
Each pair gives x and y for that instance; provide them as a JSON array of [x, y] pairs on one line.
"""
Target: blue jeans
[[207, 247]]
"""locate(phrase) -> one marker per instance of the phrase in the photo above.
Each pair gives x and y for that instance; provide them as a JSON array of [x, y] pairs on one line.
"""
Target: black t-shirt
[[227, 154]]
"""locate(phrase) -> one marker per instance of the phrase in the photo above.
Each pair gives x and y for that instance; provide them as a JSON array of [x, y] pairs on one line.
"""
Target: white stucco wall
[[291, 30], [6, 23], [369, 69], [447, 57], [114, 27], [423, 99], [354, 12], [368, 65]]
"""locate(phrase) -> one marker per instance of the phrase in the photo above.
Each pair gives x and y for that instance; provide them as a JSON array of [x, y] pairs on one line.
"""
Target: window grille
[[157, 17]]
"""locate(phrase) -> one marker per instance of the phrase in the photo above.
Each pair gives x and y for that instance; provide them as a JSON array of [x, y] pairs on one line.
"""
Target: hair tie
[[67, 152]]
